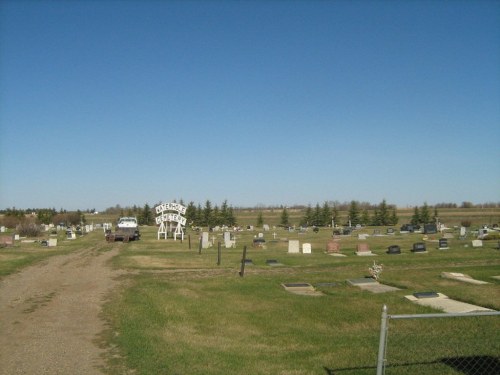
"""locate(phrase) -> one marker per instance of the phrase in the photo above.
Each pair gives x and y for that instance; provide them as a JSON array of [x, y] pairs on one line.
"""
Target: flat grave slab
[[496, 277], [362, 281], [248, 262], [447, 305], [371, 285], [327, 285], [301, 288], [462, 277], [273, 263]]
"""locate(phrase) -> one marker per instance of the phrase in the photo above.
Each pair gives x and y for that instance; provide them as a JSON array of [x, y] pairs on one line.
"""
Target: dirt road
[[49, 315]]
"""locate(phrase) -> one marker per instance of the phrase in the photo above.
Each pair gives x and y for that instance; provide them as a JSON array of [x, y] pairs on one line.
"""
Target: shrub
[[28, 229]]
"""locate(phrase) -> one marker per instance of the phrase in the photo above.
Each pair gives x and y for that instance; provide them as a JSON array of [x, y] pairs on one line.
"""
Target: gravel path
[[49, 315]]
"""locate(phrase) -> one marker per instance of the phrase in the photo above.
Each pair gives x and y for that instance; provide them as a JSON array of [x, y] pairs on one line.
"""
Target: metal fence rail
[[440, 344]]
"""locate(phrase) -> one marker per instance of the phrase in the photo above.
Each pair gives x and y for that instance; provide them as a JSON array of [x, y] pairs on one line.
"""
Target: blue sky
[[256, 102]]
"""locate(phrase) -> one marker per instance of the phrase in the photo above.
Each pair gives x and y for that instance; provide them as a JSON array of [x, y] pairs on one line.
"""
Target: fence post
[[382, 342]]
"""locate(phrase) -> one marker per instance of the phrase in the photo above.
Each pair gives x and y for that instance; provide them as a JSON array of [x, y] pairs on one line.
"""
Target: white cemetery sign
[[169, 221]]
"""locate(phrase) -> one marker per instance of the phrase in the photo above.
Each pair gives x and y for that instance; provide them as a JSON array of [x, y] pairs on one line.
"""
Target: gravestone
[[419, 247], [259, 242], [394, 249], [52, 242], [477, 243], [2, 229], [265, 227], [293, 247], [205, 242], [430, 229], [333, 247], [16, 237], [228, 242], [6, 240], [463, 232], [363, 249], [306, 248], [260, 235], [425, 295], [273, 262], [362, 236], [390, 231], [443, 244]]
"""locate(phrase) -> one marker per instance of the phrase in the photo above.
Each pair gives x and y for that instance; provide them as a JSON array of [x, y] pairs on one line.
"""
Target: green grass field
[[178, 312]]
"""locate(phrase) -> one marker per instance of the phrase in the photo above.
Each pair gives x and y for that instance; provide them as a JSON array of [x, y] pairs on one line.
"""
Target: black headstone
[[394, 249], [430, 229], [443, 243], [419, 247]]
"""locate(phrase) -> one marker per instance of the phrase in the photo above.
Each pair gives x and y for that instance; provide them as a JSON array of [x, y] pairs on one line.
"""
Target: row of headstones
[[229, 240]]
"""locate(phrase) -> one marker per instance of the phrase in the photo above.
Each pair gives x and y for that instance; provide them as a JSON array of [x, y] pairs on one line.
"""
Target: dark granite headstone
[[443, 243], [430, 229], [419, 247], [394, 249]]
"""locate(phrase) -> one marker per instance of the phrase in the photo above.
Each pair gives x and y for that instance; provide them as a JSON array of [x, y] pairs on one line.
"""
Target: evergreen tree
[[207, 214], [216, 216], [415, 219], [231, 219], [435, 217], [284, 217], [354, 213], [326, 214], [146, 216], [365, 217], [316, 215], [199, 216], [394, 217], [335, 214], [308, 217], [260, 219], [191, 213], [425, 216], [383, 213]]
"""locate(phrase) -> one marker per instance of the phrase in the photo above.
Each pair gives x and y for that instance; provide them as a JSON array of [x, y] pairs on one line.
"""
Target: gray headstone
[[205, 243]]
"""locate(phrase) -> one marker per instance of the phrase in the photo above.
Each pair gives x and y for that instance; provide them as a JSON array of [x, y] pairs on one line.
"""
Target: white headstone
[[477, 243], [52, 242], [306, 248], [205, 243], [2, 229], [293, 246], [16, 237], [265, 227], [462, 231], [261, 235]]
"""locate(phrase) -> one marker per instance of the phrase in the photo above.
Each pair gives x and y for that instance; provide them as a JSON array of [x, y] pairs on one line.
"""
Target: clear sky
[[256, 102]]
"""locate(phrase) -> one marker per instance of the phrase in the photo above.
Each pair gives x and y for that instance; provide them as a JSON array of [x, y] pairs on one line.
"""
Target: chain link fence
[[440, 344]]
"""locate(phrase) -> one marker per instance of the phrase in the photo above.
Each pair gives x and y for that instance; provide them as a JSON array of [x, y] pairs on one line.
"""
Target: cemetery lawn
[[178, 312]]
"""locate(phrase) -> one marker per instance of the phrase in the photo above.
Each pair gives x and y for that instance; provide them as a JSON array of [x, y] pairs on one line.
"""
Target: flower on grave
[[376, 270]]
